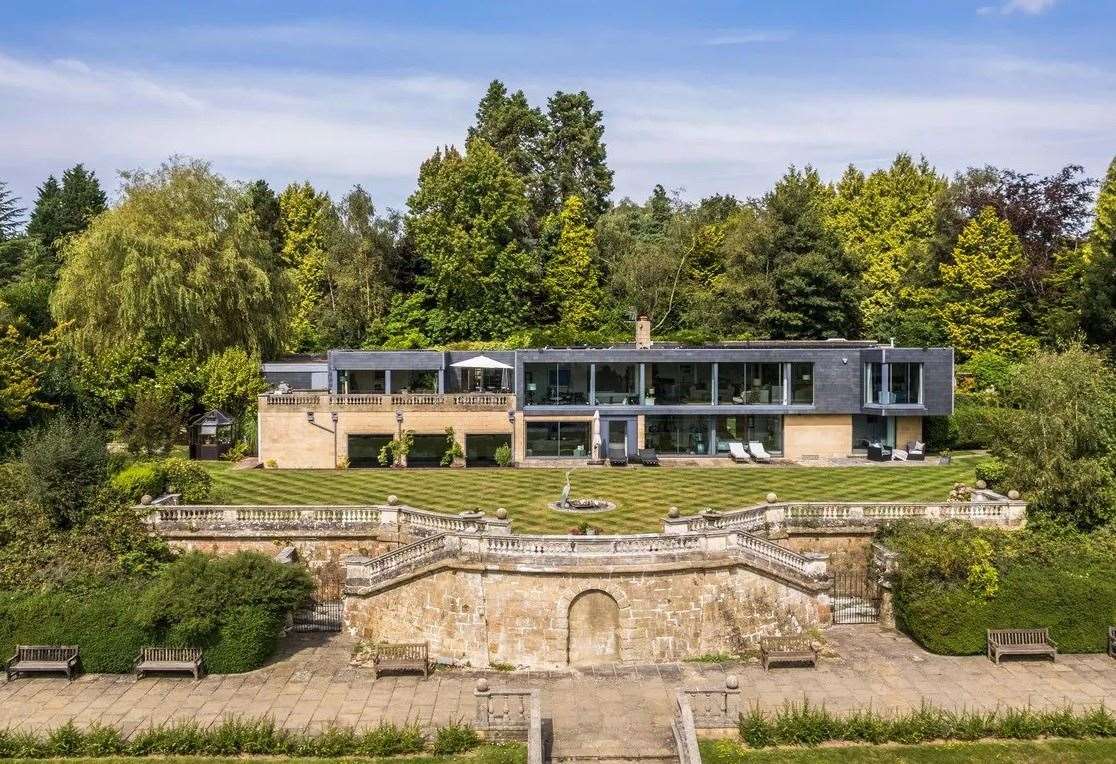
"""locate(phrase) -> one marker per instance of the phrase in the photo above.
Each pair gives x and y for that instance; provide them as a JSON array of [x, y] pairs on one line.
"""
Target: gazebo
[[211, 435]]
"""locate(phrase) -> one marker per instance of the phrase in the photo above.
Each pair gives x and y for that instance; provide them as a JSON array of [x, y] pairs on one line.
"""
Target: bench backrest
[[1019, 636], [1112, 632], [407, 651], [786, 644], [186, 654], [45, 652]]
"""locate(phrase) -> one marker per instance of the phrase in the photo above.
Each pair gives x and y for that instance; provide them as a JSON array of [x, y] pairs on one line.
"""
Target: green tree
[[1057, 435], [362, 271], [23, 363], [574, 156], [571, 281], [180, 259], [11, 214], [467, 223], [980, 310], [66, 462], [886, 223], [306, 221], [806, 275], [1098, 295], [154, 422], [511, 126], [231, 382], [46, 217], [265, 205]]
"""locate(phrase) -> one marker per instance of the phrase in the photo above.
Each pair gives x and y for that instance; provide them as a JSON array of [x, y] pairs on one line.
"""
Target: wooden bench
[[42, 659], [1112, 641], [408, 656], [1020, 642], [168, 659], [797, 649]]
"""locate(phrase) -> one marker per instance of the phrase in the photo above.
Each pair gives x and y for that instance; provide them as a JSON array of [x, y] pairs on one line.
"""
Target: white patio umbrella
[[484, 362]]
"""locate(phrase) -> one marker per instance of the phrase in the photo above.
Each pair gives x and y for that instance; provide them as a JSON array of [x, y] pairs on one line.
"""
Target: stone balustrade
[[363, 573], [511, 714], [715, 707], [775, 518], [327, 402]]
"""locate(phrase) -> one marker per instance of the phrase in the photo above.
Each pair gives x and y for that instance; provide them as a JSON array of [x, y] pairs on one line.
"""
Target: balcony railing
[[389, 402]]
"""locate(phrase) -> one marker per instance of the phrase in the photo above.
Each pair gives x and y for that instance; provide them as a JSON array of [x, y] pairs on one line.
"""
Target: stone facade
[[480, 616], [817, 436], [848, 551]]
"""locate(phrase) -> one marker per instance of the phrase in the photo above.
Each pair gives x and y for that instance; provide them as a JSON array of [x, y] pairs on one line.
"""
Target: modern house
[[801, 399]]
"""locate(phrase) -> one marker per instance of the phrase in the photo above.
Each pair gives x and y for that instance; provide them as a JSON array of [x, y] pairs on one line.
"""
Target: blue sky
[[701, 97]]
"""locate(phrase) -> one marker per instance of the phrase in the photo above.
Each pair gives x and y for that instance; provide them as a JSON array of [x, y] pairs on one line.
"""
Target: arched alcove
[[593, 629]]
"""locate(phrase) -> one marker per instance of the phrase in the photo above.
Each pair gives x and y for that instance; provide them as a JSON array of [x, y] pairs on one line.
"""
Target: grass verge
[[987, 752]]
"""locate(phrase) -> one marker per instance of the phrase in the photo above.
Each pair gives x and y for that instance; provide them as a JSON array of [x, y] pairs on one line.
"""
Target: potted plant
[[395, 451], [503, 455], [453, 456]]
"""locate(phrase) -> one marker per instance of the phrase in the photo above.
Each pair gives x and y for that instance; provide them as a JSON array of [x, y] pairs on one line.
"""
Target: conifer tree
[[574, 154], [571, 281], [1098, 295], [306, 218]]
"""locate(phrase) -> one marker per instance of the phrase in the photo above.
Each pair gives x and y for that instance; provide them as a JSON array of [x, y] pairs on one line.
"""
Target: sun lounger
[[755, 448], [738, 453]]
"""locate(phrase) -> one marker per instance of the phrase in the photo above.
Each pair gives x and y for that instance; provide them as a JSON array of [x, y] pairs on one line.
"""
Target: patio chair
[[878, 452], [618, 456], [737, 452], [755, 448], [648, 457], [899, 455], [916, 451]]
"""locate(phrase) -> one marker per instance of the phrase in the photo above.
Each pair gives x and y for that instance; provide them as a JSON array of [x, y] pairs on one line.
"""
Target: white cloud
[[748, 37], [1026, 7]]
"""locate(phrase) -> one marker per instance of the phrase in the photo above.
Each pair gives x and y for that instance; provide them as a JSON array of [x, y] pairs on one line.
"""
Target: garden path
[[610, 712]]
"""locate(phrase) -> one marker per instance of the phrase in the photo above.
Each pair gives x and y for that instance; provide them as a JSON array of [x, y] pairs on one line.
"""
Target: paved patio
[[608, 712]]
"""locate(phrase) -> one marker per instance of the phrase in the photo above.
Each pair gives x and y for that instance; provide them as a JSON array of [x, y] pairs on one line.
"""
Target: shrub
[[138, 479], [955, 582], [189, 479], [503, 455], [154, 422], [102, 621], [232, 607], [993, 472], [391, 740], [453, 739], [65, 464]]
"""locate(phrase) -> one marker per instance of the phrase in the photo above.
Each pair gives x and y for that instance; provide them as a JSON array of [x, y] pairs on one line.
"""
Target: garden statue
[[564, 502]]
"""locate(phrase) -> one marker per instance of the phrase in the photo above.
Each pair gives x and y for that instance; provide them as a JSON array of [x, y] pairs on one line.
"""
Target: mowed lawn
[[642, 494]]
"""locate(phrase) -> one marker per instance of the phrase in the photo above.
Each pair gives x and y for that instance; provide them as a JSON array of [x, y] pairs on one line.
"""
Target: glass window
[[732, 383], [556, 384], [371, 381], [679, 383], [364, 450], [678, 434], [617, 384], [906, 383], [414, 381], [768, 430], [480, 450], [873, 383], [868, 428], [730, 429], [482, 380], [558, 439], [802, 383], [765, 383]]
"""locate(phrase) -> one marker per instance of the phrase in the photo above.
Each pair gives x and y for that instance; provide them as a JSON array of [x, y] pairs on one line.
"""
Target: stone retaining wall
[[481, 615]]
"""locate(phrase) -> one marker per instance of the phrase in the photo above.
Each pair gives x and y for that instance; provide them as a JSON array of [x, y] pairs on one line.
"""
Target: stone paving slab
[[606, 712]]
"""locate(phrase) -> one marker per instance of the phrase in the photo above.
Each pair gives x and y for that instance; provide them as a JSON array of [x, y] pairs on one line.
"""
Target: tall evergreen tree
[[265, 206], [11, 214], [511, 126], [468, 217], [306, 222], [572, 283], [82, 199], [1098, 295], [574, 154], [981, 307], [809, 274], [47, 216]]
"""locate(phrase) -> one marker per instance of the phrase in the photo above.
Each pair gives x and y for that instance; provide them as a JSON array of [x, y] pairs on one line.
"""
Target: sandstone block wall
[[820, 435], [848, 552], [907, 430], [477, 617]]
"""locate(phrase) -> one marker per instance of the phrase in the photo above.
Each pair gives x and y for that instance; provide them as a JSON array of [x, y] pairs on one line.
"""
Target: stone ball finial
[[981, 485], [393, 499], [482, 685], [501, 514], [1013, 494], [146, 499], [673, 512], [772, 497], [732, 682]]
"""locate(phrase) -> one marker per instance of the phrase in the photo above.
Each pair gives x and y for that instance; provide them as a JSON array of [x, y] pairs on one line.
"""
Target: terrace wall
[[482, 615]]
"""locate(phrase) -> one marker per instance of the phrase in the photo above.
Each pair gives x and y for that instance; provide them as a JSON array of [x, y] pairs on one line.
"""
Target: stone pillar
[[817, 565], [887, 607], [775, 518], [519, 441]]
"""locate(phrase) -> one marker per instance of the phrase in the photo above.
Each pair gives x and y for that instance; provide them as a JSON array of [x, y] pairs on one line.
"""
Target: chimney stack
[[643, 333]]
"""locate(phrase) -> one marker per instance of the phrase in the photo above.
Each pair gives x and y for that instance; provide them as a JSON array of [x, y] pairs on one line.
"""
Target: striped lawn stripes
[[642, 495]]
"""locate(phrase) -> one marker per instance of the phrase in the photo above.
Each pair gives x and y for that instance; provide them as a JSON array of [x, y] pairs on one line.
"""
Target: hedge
[[102, 622], [232, 607], [138, 479], [955, 582]]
